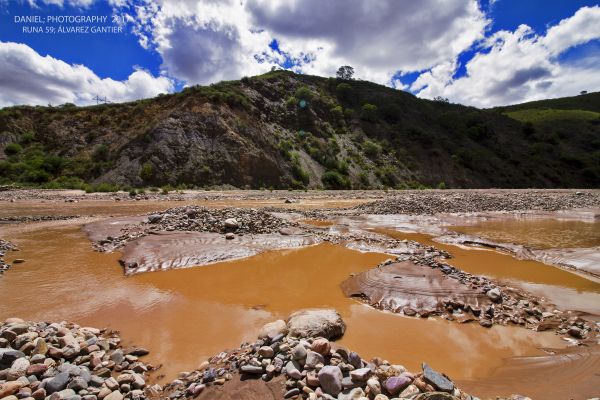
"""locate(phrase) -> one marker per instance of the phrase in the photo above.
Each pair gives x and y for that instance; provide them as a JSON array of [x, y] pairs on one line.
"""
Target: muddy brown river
[[184, 316]]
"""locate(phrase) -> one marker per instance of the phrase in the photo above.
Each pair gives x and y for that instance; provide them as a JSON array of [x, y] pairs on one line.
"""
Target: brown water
[[538, 233], [567, 290], [186, 315]]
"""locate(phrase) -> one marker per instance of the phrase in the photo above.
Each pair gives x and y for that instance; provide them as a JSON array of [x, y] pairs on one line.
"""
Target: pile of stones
[[5, 246], [35, 218], [507, 305], [433, 202], [228, 221], [60, 361], [315, 368]]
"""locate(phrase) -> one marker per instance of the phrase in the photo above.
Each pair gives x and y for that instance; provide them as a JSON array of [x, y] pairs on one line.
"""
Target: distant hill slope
[[589, 102], [284, 130]]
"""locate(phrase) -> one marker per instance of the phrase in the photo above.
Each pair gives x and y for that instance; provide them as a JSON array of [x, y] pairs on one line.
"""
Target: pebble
[[330, 379], [437, 380]]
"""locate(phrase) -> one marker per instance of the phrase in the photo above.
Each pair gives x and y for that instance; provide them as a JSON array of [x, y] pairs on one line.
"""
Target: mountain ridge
[[284, 130]]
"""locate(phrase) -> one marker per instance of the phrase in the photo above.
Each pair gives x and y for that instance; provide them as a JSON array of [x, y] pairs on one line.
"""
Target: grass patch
[[537, 115]]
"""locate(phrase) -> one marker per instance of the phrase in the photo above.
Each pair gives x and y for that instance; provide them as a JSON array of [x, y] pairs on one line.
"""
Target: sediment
[[419, 286], [470, 201]]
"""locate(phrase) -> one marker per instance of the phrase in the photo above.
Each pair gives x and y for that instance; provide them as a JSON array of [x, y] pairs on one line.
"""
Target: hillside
[[283, 130]]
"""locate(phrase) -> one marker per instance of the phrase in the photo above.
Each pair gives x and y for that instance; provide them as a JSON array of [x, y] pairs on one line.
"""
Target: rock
[[494, 294], [395, 384], [437, 380], [436, 396], [229, 236], [63, 394], [36, 369], [292, 369], [374, 386], [352, 394], [326, 323], [8, 356], [354, 359], [117, 356], [116, 395], [41, 347], [486, 323], [39, 394], [231, 223], [576, 332], [154, 218], [299, 352], [77, 384], [18, 369], [58, 383], [18, 261], [9, 388], [273, 329], [291, 393], [410, 392], [266, 352], [138, 352], [252, 369], [381, 397], [361, 374], [330, 379], [111, 383], [321, 346], [312, 359]]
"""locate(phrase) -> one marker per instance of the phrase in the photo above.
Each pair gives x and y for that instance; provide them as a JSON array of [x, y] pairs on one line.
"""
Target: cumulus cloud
[[379, 38], [26, 77], [521, 66], [202, 41]]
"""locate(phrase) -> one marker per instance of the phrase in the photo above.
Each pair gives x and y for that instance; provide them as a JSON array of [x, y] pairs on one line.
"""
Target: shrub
[[147, 172], [371, 148], [334, 180], [100, 153], [369, 112], [12, 149], [344, 92], [303, 93], [27, 138]]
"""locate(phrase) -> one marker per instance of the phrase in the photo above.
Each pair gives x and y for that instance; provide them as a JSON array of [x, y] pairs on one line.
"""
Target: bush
[[100, 153], [334, 180], [344, 92], [371, 148], [369, 112], [303, 93], [12, 149], [147, 172]]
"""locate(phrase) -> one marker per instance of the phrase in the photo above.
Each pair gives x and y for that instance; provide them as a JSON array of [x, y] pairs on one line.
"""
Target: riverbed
[[184, 316]]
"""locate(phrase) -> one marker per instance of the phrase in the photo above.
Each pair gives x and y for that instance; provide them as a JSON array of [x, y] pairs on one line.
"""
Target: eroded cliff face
[[283, 130]]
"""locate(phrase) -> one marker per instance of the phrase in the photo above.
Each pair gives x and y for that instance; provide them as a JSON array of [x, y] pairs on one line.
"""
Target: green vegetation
[[537, 115], [283, 130]]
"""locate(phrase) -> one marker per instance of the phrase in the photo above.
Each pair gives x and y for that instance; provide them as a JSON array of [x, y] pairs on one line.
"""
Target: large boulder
[[325, 323]]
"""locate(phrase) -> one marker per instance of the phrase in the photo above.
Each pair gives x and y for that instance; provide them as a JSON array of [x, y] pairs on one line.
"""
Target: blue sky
[[472, 52]]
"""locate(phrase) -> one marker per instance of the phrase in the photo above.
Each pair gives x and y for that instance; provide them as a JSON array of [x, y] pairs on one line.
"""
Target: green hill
[[284, 130]]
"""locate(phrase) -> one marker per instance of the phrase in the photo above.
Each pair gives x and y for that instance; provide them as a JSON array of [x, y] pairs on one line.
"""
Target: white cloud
[[521, 66], [203, 41], [26, 77], [378, 38], [62, 3]]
